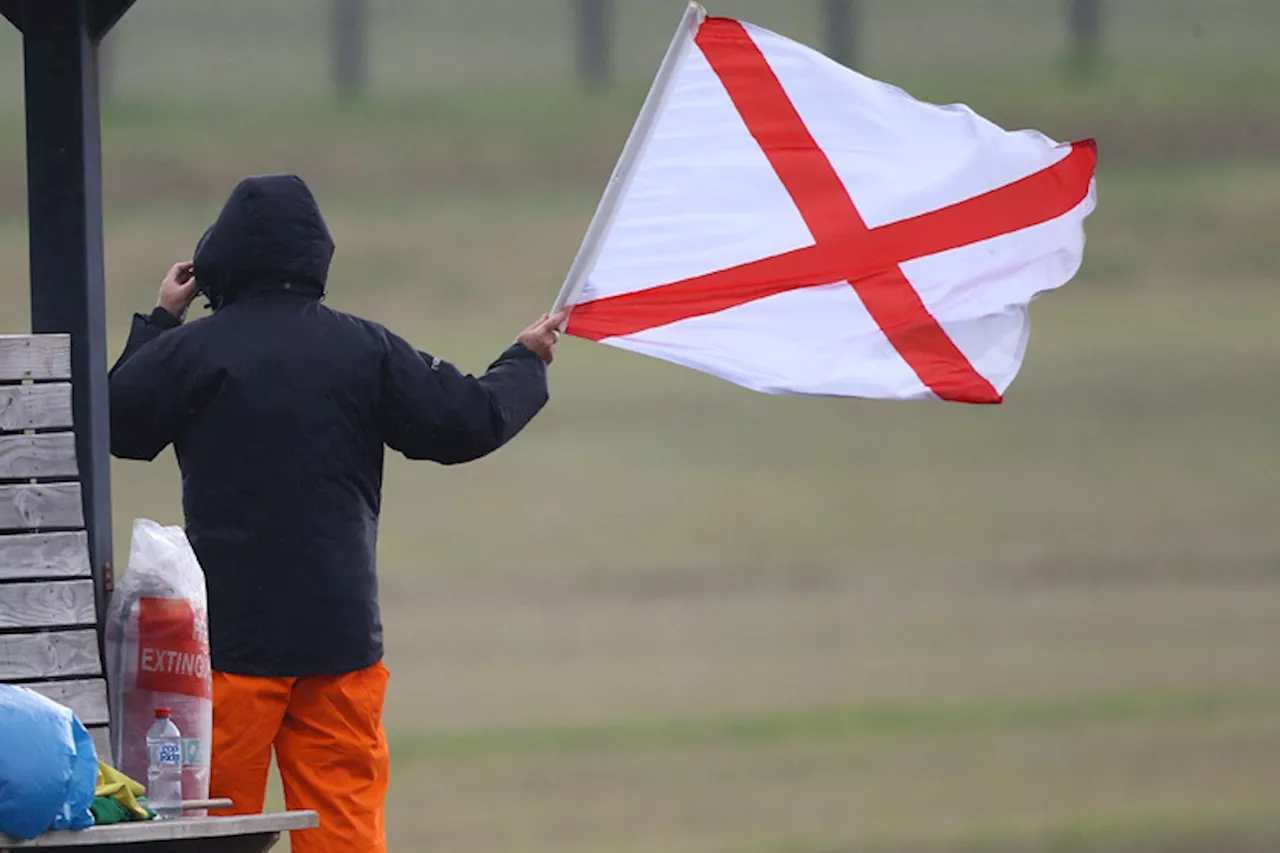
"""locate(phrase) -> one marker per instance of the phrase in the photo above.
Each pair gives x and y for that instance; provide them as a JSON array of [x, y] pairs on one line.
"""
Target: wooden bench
[[49, 631]]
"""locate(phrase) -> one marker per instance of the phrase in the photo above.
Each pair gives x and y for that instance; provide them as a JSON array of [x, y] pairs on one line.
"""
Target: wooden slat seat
[[44, 456], [40, 506], [35, 357], [48, 614], [35, 407], [246, 834], [32, 656]]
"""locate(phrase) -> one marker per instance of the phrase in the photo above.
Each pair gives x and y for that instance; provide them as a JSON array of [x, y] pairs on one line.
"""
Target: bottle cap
[[162, 713]]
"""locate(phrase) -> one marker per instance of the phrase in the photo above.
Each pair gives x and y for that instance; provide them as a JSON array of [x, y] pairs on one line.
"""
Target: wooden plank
[[44, 555], [187, 829], [87, 697], [40, 507], [34, 457], [35, 407], [35, 357], [49, 654], [46, 604]]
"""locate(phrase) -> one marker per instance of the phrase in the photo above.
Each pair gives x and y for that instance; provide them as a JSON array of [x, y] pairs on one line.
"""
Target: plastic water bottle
[[164, 767]]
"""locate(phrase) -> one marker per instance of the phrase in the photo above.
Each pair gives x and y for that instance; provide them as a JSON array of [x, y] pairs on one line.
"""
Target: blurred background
[[678, 616]]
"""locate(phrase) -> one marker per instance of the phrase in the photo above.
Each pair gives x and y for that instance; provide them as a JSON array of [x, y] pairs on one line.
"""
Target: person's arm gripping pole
[[624, 171]]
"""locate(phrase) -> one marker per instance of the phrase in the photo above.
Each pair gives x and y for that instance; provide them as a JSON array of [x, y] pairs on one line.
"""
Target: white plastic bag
[[157, 643]]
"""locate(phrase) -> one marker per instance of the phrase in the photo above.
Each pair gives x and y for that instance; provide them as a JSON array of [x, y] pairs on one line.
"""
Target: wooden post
[[350, 56], [1085, 19], [841, 20], [595, 55]]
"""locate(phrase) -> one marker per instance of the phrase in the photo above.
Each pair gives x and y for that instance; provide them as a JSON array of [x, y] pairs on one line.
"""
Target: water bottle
[[164, 767]]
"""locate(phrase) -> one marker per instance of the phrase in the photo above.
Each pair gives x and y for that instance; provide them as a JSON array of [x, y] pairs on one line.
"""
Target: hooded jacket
[[279, 410]]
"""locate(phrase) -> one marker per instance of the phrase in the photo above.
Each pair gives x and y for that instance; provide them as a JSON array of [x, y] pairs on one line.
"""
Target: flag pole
[[624, 171]]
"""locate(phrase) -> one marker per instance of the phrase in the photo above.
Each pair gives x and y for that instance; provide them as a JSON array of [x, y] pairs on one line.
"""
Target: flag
[[787, 224]]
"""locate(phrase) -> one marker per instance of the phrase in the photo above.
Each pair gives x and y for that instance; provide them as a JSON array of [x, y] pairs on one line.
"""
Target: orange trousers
[[330, 746]]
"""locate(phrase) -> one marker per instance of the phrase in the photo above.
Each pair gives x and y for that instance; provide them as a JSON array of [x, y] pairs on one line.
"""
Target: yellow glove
[[119, 787]]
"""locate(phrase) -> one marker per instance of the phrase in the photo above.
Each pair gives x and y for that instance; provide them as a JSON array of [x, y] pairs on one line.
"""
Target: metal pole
[[64, 208], [594, 45], [841, 19], [607, 211], [350, 32]]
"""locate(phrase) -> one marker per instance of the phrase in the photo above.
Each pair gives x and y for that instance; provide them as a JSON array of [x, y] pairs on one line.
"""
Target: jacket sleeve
[[146, 397], [430, 410]]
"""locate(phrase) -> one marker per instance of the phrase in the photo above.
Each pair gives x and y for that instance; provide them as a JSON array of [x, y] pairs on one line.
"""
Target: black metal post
[[64, 204], [840, 20], [595, 58]]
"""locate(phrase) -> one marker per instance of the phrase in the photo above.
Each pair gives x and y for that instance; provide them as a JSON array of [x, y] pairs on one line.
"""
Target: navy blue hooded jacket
[[279, 409]]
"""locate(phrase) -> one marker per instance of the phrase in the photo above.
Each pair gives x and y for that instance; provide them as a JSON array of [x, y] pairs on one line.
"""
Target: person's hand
[[178, 290], [541, 337]]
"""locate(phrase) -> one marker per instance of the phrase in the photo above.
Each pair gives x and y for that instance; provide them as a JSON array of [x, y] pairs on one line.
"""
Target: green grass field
[[678, 616]]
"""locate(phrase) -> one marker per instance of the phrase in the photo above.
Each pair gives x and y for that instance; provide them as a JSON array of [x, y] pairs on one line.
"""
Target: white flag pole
[[623, 172]]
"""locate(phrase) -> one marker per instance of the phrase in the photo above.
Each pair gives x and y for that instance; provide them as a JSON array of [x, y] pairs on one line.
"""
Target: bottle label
[[193, 753], [173, 648], [169, 754]]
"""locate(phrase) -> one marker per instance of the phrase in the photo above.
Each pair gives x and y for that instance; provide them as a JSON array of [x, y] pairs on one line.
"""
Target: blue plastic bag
[[48, 766]]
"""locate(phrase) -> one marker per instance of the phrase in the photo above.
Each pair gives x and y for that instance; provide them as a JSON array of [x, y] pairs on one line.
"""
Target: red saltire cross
[[844, 248]]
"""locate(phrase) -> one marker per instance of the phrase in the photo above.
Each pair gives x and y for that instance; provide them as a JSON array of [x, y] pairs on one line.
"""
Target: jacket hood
[[270, 231]]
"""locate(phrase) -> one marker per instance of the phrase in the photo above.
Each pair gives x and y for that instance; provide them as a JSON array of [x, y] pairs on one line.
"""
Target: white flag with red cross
[[788, 224]]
